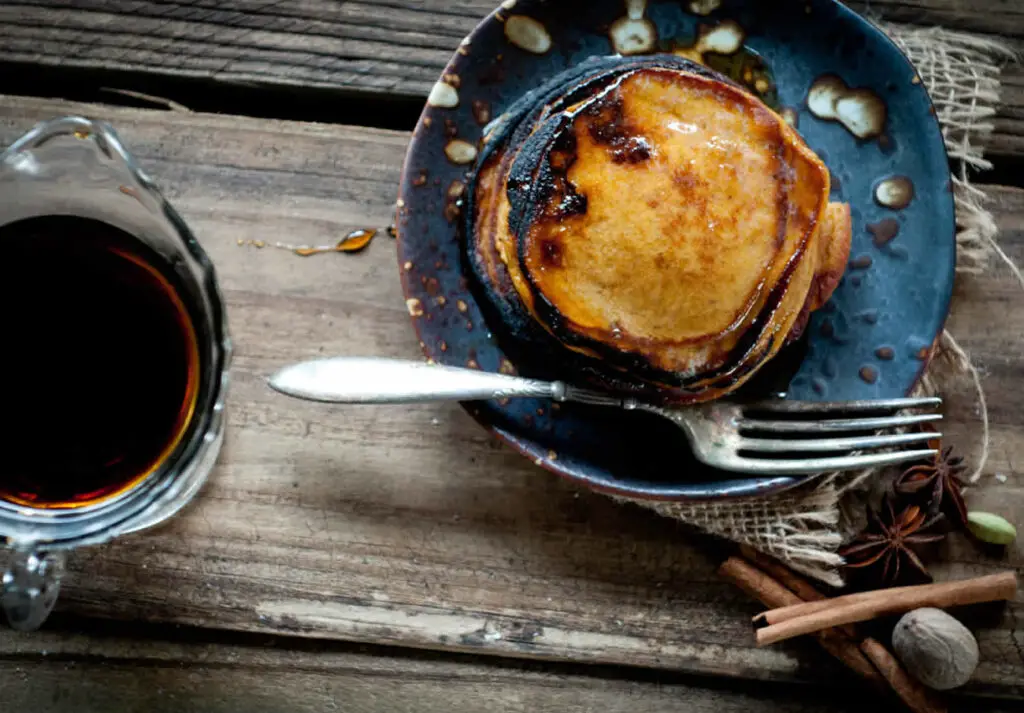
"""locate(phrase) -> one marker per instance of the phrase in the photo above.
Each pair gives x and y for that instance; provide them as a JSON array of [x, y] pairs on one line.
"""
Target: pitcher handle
[[30, 587]]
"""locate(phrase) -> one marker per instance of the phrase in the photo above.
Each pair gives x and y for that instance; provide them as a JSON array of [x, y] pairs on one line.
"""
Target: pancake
[[657, 221]]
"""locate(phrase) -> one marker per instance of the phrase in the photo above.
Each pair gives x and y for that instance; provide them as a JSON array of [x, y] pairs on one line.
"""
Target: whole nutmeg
[[937, 650]]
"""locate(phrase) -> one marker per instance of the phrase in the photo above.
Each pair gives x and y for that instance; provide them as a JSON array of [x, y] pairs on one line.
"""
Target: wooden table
[[388, 559]]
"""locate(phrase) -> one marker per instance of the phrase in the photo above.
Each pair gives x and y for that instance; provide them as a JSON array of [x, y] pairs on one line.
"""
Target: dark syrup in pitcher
[[100, 362]]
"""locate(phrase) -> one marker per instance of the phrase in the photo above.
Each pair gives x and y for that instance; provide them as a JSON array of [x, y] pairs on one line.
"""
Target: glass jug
[[77, 167]]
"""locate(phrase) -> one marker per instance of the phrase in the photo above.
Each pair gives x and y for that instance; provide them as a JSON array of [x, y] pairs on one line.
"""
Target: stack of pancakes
[[655, 222]]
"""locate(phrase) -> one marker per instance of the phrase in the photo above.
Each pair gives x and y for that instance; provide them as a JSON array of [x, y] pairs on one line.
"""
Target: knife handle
[[373, 380]]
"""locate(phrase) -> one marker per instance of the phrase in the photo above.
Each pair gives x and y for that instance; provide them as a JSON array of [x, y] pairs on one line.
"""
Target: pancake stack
[[654, 225]]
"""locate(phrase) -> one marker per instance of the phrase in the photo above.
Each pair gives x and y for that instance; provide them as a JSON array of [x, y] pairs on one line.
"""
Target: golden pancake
[[658, 219]]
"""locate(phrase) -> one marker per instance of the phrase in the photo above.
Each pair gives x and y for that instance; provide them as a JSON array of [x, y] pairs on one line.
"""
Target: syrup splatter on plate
[[859, 105]]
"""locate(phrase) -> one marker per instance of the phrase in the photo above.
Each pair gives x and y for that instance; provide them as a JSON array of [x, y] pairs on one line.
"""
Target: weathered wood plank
[[392, 47], [64, 673], [410, 526]]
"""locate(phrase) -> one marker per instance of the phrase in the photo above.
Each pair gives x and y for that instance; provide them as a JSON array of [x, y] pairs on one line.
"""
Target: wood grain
[[384, 47], [101, 673], [411, 526]]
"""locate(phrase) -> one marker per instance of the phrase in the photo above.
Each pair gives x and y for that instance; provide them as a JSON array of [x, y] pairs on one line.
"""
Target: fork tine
[[784, 406], [804, 466], [819, 445], [845, 424]]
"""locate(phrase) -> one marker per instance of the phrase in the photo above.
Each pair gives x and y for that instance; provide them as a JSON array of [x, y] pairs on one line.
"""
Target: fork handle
[[372, 380]]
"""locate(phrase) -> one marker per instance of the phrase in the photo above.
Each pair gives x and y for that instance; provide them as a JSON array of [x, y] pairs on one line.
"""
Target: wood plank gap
[[202, 94], [98, 672], [144, 634], [304, 103]]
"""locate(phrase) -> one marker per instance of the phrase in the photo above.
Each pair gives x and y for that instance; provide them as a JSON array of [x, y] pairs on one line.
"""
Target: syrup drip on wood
[[354, 242]]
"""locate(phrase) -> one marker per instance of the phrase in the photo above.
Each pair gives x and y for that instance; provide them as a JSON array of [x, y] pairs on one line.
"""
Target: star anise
[[937, 486], [884, 548]]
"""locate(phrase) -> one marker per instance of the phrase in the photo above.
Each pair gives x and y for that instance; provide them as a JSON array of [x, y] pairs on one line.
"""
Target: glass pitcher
[[78, 167]]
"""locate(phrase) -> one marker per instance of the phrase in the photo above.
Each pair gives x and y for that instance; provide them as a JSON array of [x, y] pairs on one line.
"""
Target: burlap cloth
[[805, 526]]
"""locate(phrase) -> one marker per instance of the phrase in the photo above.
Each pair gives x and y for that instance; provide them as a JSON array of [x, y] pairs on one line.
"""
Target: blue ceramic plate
[[857, 102]]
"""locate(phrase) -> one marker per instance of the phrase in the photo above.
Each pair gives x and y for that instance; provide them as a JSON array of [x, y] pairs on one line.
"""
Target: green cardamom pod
[[991, 528]]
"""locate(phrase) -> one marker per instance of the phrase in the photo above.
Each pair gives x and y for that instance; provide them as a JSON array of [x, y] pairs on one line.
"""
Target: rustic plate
[[858, 103]]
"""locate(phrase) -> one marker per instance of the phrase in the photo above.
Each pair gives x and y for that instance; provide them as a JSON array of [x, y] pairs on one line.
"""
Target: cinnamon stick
[[787, 577], [1001, 586], [869, 659], [769, 592], [913, 693], [757, 584], [796, 620], [790, 579]]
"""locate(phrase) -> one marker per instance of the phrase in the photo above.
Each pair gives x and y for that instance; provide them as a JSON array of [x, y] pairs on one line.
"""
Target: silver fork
[[723, 434]]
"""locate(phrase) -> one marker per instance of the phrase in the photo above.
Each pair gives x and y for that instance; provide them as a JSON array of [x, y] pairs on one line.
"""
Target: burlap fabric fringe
[[805, 527]]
